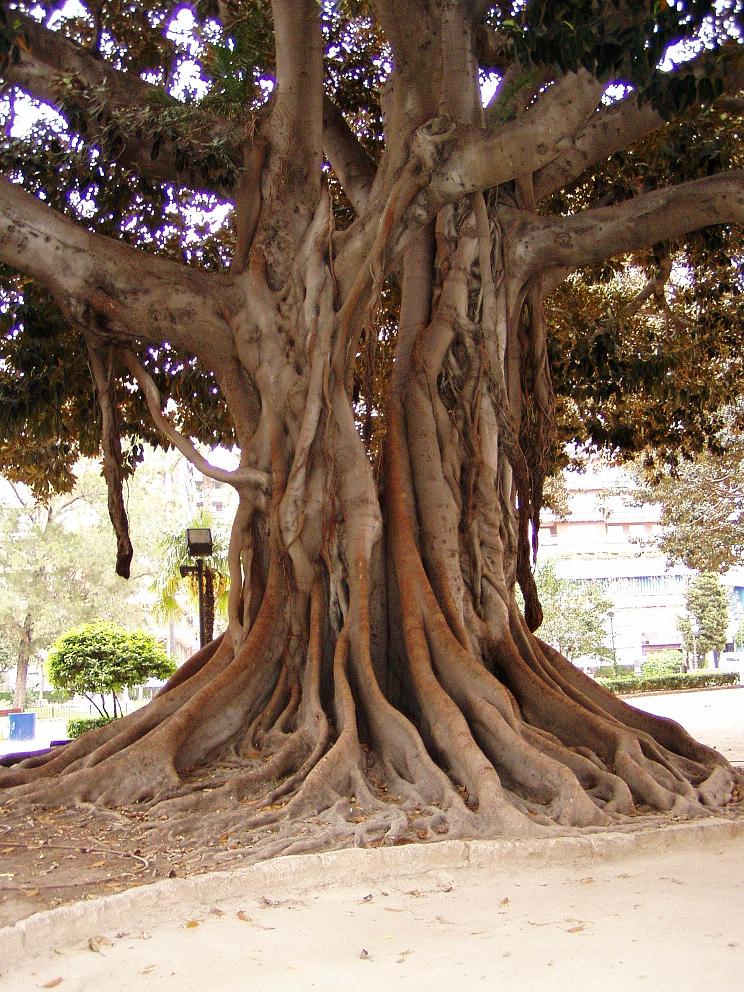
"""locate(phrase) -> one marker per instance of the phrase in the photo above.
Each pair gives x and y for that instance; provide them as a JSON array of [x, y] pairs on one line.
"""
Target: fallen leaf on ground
[[96, 943], [52, 983], [242, 915], [576, 929]]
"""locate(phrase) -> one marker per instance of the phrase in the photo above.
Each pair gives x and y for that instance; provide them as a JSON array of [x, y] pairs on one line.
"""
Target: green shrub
[[666, 661], [679, 680], [80, 726]]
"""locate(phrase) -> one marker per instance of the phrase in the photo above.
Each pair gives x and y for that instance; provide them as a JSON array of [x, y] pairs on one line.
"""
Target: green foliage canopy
[[626, 378]]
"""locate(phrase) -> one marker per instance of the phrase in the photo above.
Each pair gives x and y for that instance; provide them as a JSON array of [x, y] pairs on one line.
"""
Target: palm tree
[[173, 553]]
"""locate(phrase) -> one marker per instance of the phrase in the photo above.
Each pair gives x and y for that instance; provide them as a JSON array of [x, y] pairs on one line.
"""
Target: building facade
[[608, 538]]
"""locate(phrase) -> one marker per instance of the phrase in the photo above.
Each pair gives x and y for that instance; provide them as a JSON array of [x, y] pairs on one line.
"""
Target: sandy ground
[[616, 911], [664, 915]]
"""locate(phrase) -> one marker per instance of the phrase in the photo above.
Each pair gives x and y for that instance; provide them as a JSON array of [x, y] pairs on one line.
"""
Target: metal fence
[[63, 711]]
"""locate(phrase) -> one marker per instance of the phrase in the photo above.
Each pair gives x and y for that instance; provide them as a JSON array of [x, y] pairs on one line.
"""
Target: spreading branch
[[351, 163], [101, 93], [115, 290], [292, 175], [591, 236]]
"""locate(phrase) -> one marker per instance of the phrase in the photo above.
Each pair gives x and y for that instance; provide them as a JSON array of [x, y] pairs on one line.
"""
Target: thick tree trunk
[[376, 676]]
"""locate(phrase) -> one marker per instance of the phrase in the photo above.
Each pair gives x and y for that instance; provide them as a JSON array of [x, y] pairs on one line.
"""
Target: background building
[[607, 538]]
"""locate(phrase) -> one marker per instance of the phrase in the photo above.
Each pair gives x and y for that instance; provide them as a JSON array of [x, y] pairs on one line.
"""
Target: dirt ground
[[49, 858]]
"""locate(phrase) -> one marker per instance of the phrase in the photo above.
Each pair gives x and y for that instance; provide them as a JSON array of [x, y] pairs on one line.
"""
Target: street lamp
[[611, 614], [199, 546]]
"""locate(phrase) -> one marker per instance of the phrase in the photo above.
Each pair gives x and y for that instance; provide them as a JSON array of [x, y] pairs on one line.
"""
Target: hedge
[[78, 727], [676, 680]]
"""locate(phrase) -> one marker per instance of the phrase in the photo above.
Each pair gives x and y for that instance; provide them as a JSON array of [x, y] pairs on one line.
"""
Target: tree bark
[[24, 657]]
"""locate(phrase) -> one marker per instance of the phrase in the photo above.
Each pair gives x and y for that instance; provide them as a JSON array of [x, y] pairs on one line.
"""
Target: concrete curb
[[151, 905]]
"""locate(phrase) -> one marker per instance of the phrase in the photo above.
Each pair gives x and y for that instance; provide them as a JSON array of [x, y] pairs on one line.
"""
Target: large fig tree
[[376, 337]]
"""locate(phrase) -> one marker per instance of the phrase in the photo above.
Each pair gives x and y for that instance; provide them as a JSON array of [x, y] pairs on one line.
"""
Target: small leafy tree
[[100, 658], [702, 501], [704, 625], [577, 615]]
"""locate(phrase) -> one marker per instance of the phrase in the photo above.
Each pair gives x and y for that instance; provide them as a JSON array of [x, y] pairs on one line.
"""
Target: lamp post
[[199, 546], [611, 615]]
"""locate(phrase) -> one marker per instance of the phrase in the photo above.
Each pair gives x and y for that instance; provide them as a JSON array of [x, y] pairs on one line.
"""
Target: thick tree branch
[[478, 159], [351, 163], [116, 291], [624, 123], [482, 160], [608, 131], [102, 92], [594, 235], [291, 181]]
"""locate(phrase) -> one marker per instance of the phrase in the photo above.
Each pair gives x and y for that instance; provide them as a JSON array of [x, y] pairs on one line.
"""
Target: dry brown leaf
[[52, 983], [575, 929], [242, 915], [96, 943]]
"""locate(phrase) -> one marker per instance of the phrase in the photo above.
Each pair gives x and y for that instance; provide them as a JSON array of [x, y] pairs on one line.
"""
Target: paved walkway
[[613, 911], [713, 716]]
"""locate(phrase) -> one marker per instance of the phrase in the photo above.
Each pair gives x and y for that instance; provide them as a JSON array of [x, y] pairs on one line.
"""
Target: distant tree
[[577, 615], [704, 625], [7, 656], [54, 570], [702, 506], [100, 658]]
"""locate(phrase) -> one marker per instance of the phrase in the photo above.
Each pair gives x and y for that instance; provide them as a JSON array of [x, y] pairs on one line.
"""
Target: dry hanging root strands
[[377, 681], [102, 369]]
